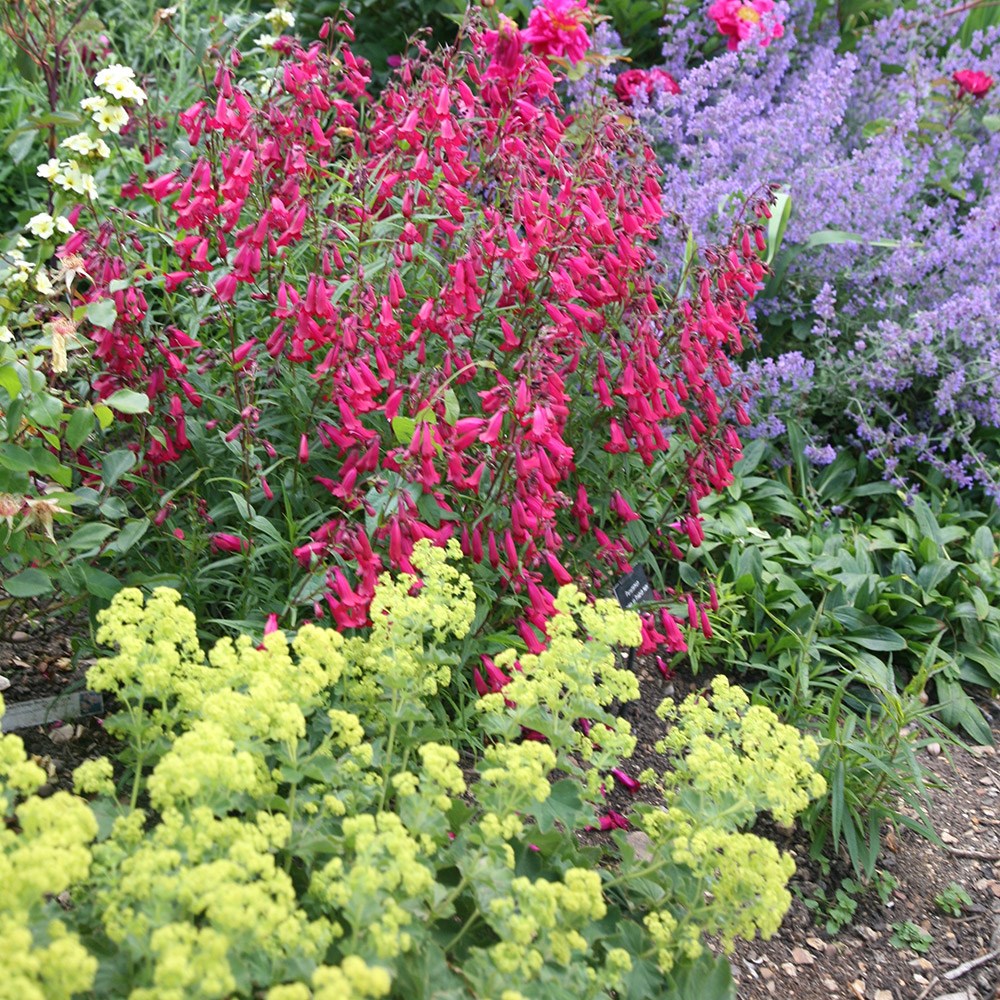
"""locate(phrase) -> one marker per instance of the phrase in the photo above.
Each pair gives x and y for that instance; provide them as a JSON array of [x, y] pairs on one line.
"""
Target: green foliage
[[909, 935], [293, 820], [849, 605], [838, 912], [951, 899]]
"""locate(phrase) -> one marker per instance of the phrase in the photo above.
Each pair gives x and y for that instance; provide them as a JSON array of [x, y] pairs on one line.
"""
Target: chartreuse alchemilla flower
[[729, 761], [740, 754], [48, 854]]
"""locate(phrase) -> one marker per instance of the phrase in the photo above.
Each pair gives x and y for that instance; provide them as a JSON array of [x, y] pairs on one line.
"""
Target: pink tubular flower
[[555, 30], [972, 82], [614, 821], [740, 20], [506, 44], [625, 780], [222, 542], [634, 81]]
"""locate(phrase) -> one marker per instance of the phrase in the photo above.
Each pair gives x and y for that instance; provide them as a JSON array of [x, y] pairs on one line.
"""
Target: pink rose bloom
[[971, 81], [740, 20], [632, 81], [556, 29]]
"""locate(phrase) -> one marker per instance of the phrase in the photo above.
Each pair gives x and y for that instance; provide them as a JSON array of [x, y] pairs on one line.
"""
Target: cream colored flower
[[41, 225], [115, 80], [48, 170], [80, 143], [111, 118], [279, 19], [42, 282]]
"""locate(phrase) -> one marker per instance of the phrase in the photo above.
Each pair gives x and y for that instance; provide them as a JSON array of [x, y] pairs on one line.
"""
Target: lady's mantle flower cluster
[[740, 754], [49, 853], [305, 757], [730, 761]]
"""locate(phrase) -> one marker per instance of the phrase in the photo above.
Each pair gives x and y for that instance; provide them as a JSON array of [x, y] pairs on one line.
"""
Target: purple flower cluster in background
[[893, 317]]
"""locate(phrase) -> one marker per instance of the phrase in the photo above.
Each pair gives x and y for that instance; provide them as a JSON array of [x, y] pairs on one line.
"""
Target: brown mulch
[[802, 960]]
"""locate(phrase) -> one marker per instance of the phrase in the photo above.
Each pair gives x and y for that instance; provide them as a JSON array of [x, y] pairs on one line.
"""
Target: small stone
[[830, 984], [934, 749], [922, 980], [4, 683], [63, 734], [817, 944], [922, 964], [19, 636], [641, 844], [858, 988], [789, 970], [884, 995], [948, 838], [802, 957]]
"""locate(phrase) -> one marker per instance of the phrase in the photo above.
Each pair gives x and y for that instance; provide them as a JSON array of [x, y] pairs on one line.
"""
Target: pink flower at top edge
[[556, 30], [971, 81], [632, 81], [740, 20]]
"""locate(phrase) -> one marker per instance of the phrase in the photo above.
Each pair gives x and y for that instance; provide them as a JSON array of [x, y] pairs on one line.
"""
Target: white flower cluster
[[279, 20], [19, 273], [119, 82], [109, 112]]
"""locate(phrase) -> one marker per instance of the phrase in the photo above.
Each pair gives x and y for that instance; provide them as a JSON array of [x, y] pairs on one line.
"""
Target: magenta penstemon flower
[[613, 821], [625, 780], [222, 542]]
